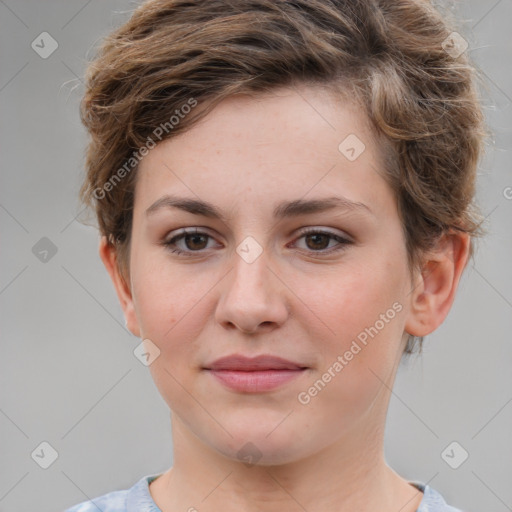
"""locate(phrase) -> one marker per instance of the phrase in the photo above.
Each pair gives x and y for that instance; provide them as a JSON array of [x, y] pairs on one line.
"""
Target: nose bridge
[[251, 271], [251, 295]]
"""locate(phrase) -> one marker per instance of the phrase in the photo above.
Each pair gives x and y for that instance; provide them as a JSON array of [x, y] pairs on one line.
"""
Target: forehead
[[287, 142]]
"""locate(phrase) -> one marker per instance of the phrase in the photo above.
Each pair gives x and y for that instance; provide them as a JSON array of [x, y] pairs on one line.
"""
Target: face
[[325, 286]]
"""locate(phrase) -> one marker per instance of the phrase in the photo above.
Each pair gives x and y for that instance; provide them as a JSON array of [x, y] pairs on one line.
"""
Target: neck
[[350, 475]]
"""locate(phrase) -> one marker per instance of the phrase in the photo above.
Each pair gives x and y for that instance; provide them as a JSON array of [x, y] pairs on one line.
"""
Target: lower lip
[[255, 381]]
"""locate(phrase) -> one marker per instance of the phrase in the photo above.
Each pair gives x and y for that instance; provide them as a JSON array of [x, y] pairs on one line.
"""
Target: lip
[[253, 375], [238, 362]]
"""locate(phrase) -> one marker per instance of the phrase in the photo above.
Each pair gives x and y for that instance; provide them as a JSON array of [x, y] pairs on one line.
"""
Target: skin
[[297, 300]]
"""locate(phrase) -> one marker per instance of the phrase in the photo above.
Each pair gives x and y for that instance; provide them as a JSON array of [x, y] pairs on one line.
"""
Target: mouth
[[253, 375]]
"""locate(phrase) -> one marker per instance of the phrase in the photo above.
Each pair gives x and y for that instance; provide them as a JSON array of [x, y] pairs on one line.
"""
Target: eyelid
[[323, 230], [171, 240], [302, 231], [342, 240]]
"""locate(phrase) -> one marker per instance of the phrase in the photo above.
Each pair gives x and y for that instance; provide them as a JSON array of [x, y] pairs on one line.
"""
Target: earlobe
[[435, 288], [108, 255]]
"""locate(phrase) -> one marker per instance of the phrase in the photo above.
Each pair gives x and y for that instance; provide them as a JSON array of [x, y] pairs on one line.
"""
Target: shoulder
[[133, 499], [432, 500], [111, 502]]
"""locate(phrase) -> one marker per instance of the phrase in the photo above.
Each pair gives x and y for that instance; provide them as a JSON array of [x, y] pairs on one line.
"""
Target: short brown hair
[[388, 55]]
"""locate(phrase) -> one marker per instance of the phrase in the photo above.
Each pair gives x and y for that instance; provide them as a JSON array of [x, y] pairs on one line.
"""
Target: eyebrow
[[283, 210]]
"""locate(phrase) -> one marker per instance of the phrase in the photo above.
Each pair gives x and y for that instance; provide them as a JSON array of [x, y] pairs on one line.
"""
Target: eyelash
[[343, 242]]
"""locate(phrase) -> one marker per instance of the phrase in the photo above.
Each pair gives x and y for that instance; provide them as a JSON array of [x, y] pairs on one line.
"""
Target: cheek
[[358, 318], [352, 298], [171, 313], [172, 305], [165, 295]]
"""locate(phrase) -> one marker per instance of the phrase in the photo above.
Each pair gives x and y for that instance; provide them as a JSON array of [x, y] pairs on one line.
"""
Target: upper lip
[[262, 362]]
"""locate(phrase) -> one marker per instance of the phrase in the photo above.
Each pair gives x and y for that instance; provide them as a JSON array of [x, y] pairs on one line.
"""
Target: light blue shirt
[[138, 499]]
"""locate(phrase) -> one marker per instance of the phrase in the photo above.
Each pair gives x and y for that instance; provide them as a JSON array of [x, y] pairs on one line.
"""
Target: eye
[[193, 241], [318, 240], [190, 241]]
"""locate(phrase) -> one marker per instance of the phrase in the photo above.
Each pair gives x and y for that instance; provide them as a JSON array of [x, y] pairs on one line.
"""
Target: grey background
[[68, 375]]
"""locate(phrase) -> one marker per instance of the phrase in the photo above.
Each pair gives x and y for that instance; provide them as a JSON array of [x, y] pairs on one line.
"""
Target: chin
[[256, 447]]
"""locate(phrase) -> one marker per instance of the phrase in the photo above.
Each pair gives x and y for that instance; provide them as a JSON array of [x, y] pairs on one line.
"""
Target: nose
[[253, 298]]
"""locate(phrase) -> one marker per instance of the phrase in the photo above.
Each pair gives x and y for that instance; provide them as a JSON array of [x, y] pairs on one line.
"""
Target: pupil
[[319, 236], [194, 237]]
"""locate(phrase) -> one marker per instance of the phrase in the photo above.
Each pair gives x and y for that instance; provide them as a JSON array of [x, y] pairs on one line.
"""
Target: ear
[[108, 255], [434, 289]]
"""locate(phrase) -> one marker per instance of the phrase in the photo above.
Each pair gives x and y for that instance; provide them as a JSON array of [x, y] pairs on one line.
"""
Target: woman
[[284, 191]]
